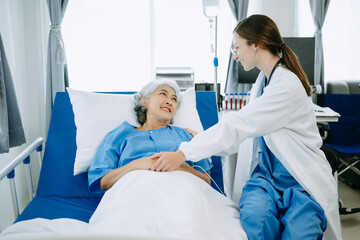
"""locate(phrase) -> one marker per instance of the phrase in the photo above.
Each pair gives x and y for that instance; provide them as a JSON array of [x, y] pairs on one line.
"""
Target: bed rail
[[9, 171]]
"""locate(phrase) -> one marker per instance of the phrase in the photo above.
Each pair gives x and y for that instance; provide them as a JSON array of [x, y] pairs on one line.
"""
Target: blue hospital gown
[[273, 204], [125, 144]]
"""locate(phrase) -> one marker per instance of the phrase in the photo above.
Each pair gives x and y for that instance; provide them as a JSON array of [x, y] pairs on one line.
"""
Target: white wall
[[283, 13], [19, 26]]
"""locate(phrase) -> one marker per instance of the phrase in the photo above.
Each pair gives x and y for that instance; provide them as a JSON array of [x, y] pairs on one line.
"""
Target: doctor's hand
[[168, 161]]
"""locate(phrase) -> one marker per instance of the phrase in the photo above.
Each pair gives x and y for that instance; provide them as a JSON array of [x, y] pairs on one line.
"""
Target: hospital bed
[[60, 194]]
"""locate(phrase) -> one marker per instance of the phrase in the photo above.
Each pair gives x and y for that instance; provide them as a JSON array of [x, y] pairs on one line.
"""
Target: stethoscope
[[272, 71]]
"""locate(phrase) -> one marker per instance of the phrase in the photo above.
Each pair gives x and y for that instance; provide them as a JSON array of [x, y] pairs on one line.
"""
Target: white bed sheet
[[148, 205]]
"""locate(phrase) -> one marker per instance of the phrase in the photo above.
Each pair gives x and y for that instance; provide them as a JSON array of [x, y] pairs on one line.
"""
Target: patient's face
[[162, 104]]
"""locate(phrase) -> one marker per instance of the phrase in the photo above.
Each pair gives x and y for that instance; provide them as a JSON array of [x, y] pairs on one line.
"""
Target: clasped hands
[[167, 161], [163, 161]]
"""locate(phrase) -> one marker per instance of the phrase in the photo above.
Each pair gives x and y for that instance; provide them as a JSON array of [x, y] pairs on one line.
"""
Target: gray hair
[[147, 90]]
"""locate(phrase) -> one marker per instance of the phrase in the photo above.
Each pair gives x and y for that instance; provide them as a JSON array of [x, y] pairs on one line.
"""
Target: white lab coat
[[284, 115]]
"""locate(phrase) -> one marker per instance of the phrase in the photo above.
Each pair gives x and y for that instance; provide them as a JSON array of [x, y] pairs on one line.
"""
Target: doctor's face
[[243, 52], [162, 104]]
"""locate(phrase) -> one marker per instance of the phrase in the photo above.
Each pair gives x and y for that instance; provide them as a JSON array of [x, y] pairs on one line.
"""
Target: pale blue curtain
[[239, 9], [318, 10], [11, 129], [57, 74]]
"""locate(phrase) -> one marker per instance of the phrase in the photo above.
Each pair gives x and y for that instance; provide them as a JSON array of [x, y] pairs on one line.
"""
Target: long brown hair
[[261, 30]]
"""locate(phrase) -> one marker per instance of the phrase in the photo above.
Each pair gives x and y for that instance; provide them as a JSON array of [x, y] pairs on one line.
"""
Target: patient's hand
[[145, 163], [192, 132], [110, 178], [187, 168], [183, 167], [168, 161], [171, 161]]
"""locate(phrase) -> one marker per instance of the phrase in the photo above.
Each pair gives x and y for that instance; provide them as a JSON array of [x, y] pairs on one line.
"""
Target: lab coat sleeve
[[260, 117]]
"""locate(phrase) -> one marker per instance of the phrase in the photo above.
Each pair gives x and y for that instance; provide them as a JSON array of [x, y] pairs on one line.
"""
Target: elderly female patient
[[127, 148]]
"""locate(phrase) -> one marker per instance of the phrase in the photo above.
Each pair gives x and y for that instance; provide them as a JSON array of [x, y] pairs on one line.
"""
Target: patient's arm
[[192, 132], [109, 179], [187, 168]]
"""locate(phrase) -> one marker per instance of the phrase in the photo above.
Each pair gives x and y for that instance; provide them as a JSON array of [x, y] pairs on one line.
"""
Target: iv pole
[[210, 9], [216, 64]]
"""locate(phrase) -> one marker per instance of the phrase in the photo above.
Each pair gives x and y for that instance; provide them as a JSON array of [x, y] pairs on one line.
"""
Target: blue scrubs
[[125, 144], [273, 204]]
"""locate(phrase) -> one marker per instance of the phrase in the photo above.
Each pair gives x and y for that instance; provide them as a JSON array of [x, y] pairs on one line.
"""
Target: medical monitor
[[303, 47]]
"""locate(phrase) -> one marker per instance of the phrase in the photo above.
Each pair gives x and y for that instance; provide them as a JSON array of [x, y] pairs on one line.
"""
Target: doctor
[[290, 192]]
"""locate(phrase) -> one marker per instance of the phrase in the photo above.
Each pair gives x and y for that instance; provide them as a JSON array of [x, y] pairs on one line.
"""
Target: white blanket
[[147, 204]]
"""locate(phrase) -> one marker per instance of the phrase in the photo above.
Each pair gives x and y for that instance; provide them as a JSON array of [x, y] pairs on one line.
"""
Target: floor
[[350, 224]]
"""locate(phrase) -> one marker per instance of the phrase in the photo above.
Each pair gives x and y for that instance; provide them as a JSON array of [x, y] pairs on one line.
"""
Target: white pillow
[[96, 114], [187, 116]]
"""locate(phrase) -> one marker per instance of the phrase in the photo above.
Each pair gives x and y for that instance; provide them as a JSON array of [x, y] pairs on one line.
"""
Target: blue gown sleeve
[[105, 159]]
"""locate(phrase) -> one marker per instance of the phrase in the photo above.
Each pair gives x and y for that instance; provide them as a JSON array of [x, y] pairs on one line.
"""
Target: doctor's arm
[[260, 117]]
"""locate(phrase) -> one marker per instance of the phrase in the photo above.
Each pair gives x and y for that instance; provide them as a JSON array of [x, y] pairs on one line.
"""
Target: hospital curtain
[[11, 128], [57, 74], [239, 9], [318, 10]]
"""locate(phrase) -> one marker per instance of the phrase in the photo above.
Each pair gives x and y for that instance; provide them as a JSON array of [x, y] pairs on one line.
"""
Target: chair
[[343, 139], [333, 159], [344, 136], [338, 87]]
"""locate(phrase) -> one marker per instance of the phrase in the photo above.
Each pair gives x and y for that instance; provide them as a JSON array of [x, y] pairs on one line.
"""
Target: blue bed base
[[62, 195]]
